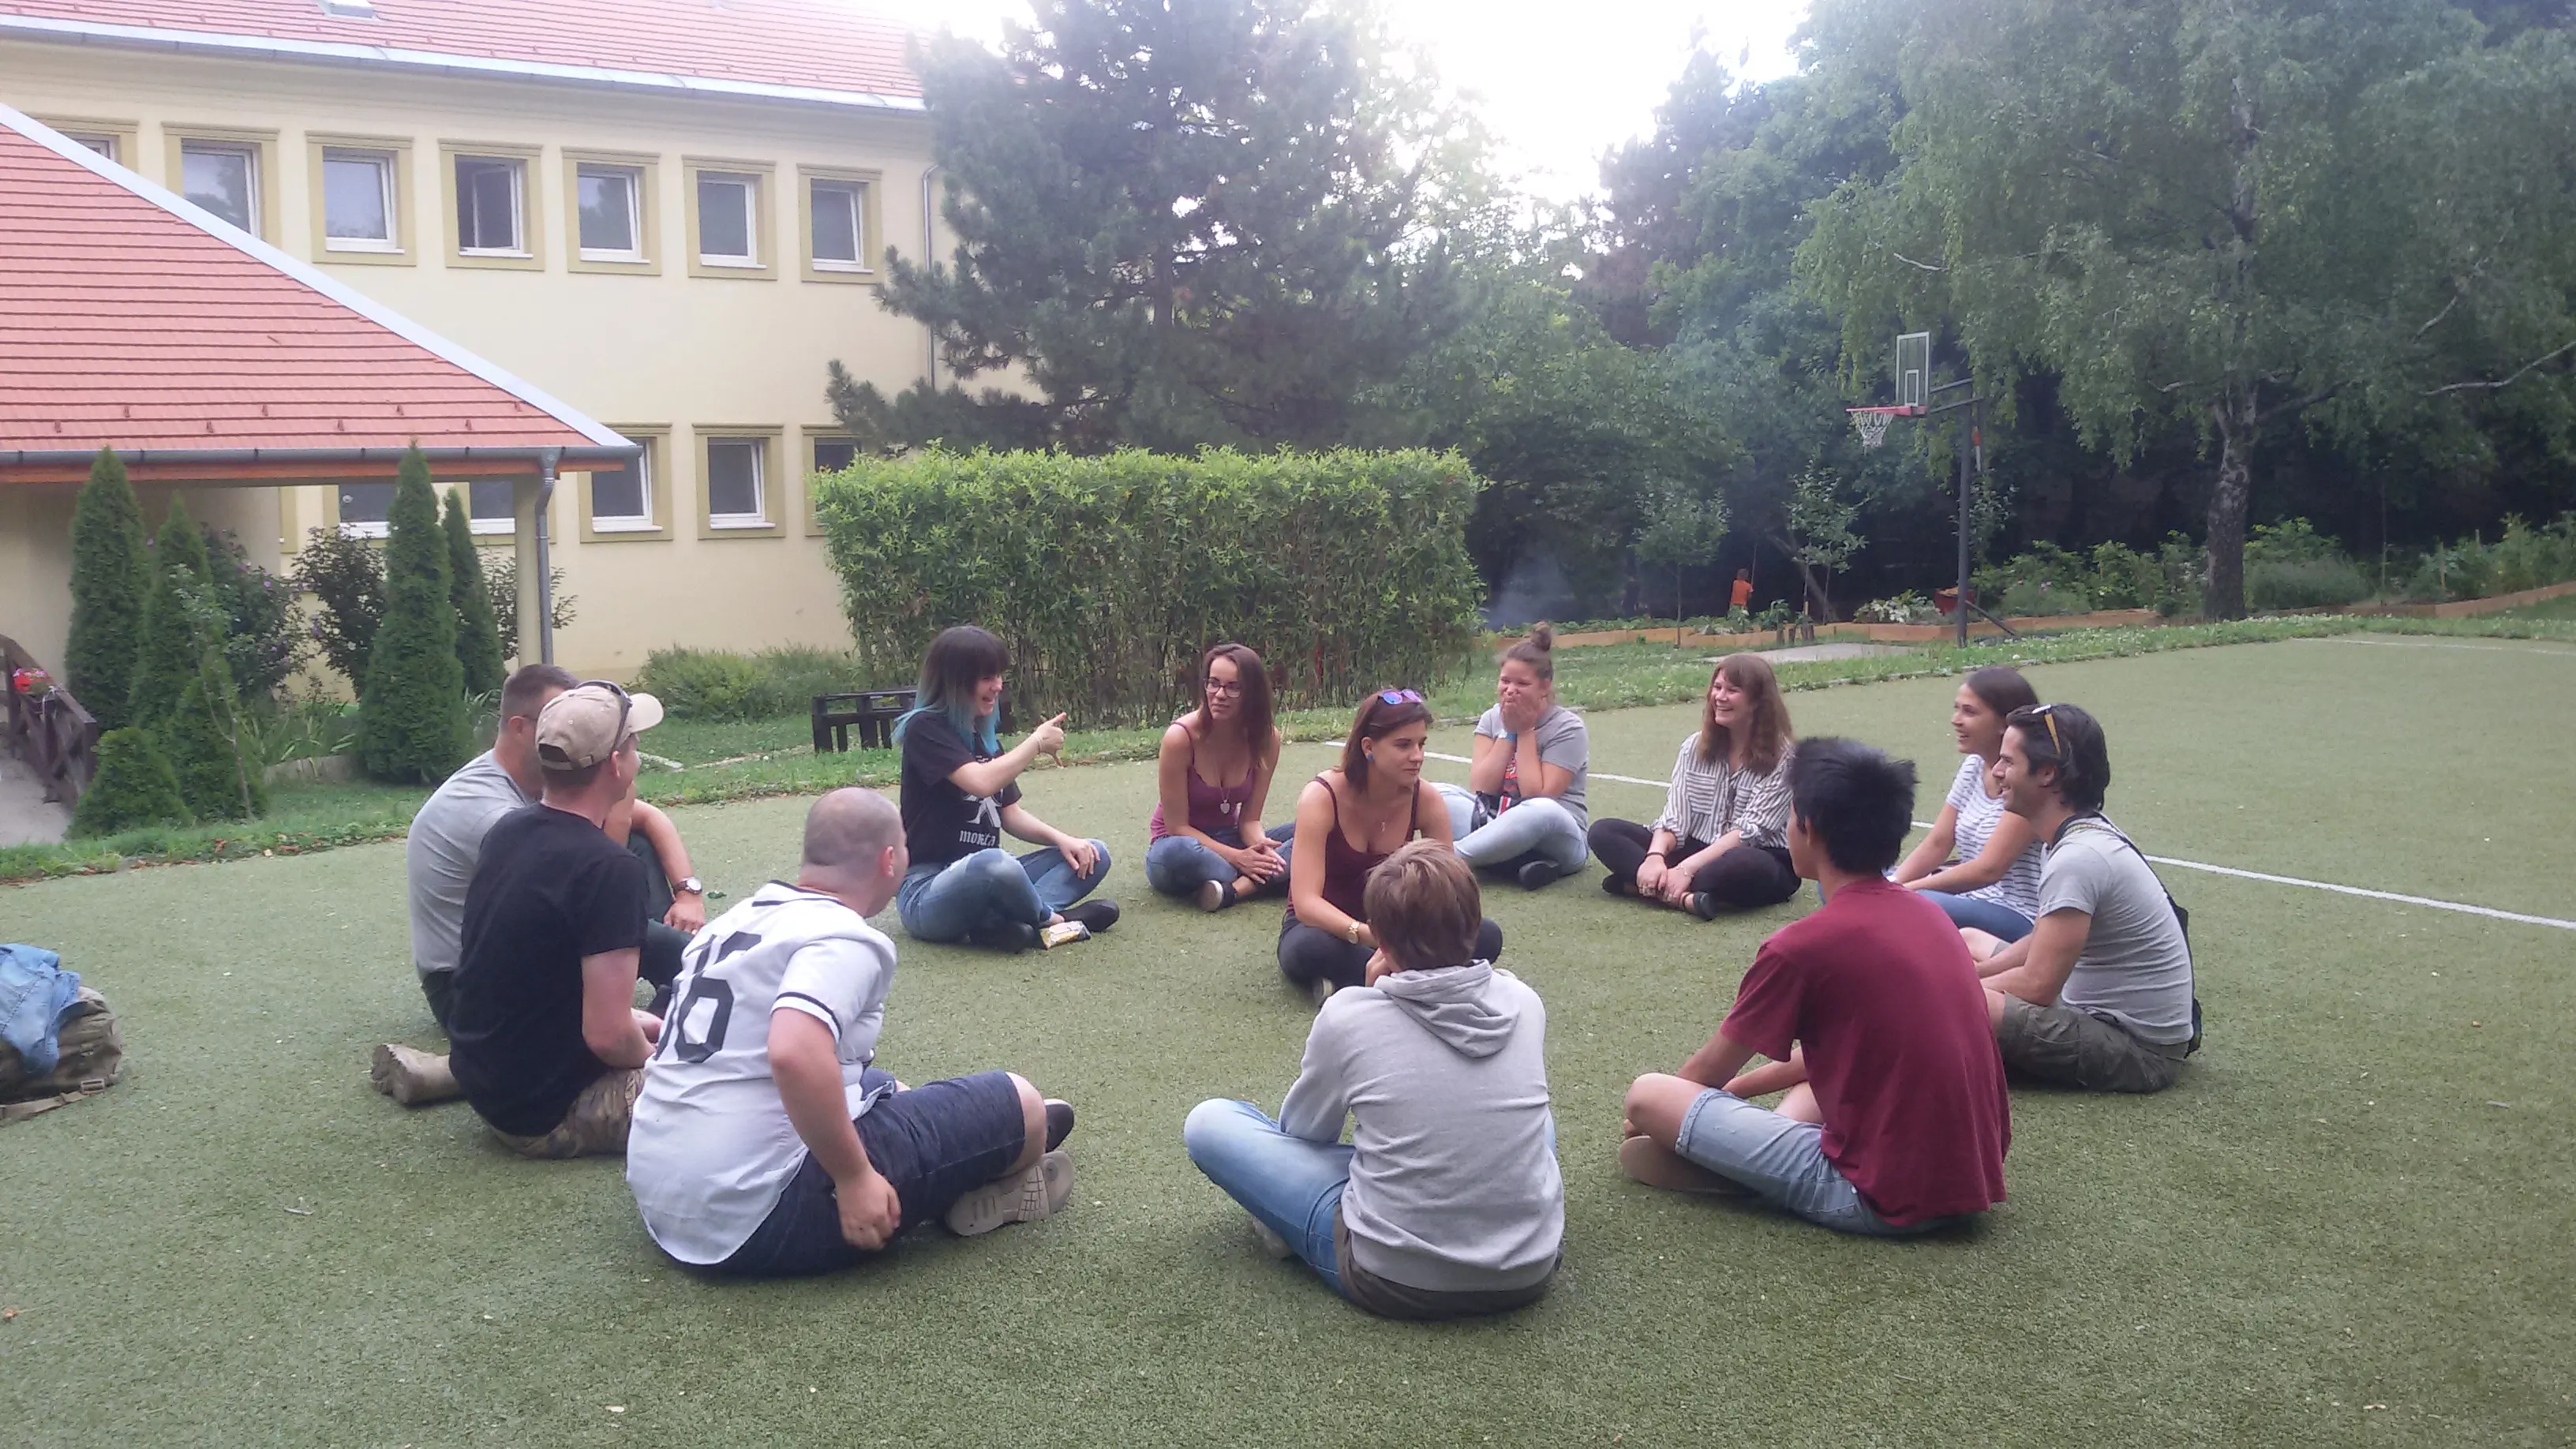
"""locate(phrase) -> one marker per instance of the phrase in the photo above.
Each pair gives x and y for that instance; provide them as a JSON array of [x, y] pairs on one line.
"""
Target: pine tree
[[109, 583], [201, 742], [168, 654], [133, 787], [411, 724], [478, 636]]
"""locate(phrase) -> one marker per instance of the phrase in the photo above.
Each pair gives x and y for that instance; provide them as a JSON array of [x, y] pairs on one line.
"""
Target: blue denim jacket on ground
[[35, 991]]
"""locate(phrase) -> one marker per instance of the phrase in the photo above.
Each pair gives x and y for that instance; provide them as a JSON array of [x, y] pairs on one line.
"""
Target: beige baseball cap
[[586, 723]]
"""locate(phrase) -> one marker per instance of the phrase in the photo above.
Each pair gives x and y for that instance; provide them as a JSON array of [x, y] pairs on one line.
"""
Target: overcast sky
[[1559, 84]]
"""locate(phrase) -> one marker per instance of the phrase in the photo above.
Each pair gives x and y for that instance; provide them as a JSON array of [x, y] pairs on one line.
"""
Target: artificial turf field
[[2354, 1222]]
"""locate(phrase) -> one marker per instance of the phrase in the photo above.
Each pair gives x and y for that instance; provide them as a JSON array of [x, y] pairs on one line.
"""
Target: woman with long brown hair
[[1722, 841], [1348, 820], [1981, 862], [1205, 841]]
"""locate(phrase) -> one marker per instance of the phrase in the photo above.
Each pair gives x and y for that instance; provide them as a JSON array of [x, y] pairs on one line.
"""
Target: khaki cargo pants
[[595, 1126], [2078, 1049]]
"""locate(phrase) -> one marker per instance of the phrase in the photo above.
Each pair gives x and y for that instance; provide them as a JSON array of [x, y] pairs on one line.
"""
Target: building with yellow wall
[[670, 215]]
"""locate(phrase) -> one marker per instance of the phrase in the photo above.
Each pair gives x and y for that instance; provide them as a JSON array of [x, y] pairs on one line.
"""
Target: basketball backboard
[[1913, 370]]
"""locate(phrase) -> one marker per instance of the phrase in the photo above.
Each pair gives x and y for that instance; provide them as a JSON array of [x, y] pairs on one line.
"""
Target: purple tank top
[[1214, 809]]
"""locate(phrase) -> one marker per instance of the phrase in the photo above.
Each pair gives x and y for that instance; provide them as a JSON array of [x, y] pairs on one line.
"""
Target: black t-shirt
[[942, 823], [548, 890]]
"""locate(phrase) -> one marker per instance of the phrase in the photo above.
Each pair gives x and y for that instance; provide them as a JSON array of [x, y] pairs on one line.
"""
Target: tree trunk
[[2223, 564], [1822, 603]]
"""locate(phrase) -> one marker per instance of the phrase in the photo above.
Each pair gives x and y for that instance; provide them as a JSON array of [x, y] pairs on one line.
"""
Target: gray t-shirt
[[1562, 742], [438, 861], [2135, 968]]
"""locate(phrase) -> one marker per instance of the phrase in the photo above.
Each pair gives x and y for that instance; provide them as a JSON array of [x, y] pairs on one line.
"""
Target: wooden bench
[[872, 711]]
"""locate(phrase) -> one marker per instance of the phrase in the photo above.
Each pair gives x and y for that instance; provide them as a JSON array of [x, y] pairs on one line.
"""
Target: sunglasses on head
[[2044, 712], [625, 702], [1398, 696]]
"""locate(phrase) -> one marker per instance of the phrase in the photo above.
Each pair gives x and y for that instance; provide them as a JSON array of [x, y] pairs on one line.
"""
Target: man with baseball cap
[[543, 1035]]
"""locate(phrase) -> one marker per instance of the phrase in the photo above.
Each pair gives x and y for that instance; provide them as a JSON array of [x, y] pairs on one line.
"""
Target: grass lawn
[[2563, 607], [2354, 1222]]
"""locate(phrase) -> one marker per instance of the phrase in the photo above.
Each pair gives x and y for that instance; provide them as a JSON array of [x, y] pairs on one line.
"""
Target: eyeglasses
[[1224, 686], [1398, 696]]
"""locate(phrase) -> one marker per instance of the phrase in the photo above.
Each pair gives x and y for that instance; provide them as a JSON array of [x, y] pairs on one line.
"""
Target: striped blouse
[[1705, 801]]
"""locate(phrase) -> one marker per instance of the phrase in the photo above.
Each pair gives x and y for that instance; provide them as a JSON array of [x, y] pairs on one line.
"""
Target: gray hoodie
[[1454, 1186]]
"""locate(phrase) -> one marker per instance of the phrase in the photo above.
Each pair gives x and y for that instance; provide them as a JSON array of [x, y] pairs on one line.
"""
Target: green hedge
[[1106, 576]]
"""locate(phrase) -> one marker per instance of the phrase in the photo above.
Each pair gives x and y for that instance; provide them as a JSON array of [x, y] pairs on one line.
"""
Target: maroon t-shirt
[[1880, 991]]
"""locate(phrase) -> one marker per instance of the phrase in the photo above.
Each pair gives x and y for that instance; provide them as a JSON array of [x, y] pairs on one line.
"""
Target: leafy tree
[[172, 645], [501, 593], [110, 577], [345, 574], [1681, 529], [478, 638], [2219, 218], [411, 720], [1819, 535], [1209, 223], [132, 787], [265, 637]]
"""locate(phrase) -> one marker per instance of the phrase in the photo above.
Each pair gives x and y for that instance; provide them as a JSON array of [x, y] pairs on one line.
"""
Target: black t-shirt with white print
[[942, 823]]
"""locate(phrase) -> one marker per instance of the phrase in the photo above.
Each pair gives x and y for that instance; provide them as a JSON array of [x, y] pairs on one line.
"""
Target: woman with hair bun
[[1205, 841], [1722, 841], [1521, 812], [1981, 862]]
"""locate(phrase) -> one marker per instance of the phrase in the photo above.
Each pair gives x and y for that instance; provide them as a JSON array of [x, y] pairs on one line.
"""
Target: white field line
[[2288, 880]]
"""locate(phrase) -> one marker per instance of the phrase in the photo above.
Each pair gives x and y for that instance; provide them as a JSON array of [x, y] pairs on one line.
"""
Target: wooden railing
[[55, 736]]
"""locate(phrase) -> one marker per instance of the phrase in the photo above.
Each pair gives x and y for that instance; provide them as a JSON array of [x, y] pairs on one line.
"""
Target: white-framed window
[[223, 178], [610, 205], [365, 508], [728, 219], [621, 499], [98, 141], [491, 216], [735, 493], [491, 506], [839, 211], [358, 201]]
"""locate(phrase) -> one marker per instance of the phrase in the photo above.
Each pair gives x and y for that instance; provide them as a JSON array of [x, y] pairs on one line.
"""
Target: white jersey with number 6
[[711, 1148]]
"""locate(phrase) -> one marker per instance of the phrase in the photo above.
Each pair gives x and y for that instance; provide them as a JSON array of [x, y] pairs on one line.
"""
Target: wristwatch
[[1353, 931], [688, 886]]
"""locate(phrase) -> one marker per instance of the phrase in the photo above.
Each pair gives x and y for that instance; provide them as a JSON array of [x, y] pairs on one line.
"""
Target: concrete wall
[[673, 355]]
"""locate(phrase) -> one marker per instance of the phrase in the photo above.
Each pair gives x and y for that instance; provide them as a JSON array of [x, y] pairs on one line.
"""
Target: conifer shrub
[[204, 742], [411, 722], [133, 787], [1107, 575], [110, 579], [478, 638], [171, 648]]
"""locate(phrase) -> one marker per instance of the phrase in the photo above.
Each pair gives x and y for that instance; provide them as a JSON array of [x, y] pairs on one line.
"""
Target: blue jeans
[[1535, 829], [1177, 865], [1981, 915], [1782, 1161], [989, 888], [1292, 1185]]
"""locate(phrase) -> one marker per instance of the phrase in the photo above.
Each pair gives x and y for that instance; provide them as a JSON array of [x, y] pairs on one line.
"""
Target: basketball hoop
[[1871, 423]]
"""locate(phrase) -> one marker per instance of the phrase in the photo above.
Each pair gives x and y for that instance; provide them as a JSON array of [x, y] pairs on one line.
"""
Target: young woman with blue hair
[[961, 792]]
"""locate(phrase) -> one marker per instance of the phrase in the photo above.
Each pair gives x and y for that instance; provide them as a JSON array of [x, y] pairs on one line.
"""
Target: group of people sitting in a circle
[[2023, 933]]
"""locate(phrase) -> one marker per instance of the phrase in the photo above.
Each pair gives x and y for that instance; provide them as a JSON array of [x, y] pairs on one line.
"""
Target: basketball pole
[[1964, 525]]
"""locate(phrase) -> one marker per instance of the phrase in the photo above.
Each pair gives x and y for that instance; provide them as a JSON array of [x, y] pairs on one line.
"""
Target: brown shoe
[[413, 1078], [1655, 1165]]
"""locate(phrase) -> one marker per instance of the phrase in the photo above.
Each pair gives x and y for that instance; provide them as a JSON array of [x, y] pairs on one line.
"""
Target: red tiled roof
[[820, 44], [124, 323]]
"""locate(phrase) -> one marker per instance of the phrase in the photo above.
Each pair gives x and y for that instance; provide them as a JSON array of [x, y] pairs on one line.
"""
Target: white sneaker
[[1042, 1191], [1320, 991], [1271, 1243]]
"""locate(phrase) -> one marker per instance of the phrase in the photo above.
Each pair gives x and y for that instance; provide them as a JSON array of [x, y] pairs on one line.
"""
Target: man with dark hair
[[446, 842], [767, 1141], [1895, 1120], [2098, 995], [544, 1035]]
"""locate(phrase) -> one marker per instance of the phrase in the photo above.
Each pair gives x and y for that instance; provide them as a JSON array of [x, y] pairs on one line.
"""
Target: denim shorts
[[935, 1143], [1783, 1162]]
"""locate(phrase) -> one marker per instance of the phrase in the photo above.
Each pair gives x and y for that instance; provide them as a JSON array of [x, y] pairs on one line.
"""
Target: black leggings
[[1743, 878], [1308, 954]]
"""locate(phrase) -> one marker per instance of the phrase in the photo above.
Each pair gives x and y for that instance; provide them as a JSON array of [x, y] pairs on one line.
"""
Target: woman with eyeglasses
[[1981, 862], [1722, 842], [961, 792], [1349, 819], [1521, 811], [1205, 841]]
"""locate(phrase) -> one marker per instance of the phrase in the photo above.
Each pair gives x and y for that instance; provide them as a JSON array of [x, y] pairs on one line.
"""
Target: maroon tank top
[[1346, 866], [1214, 809]]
